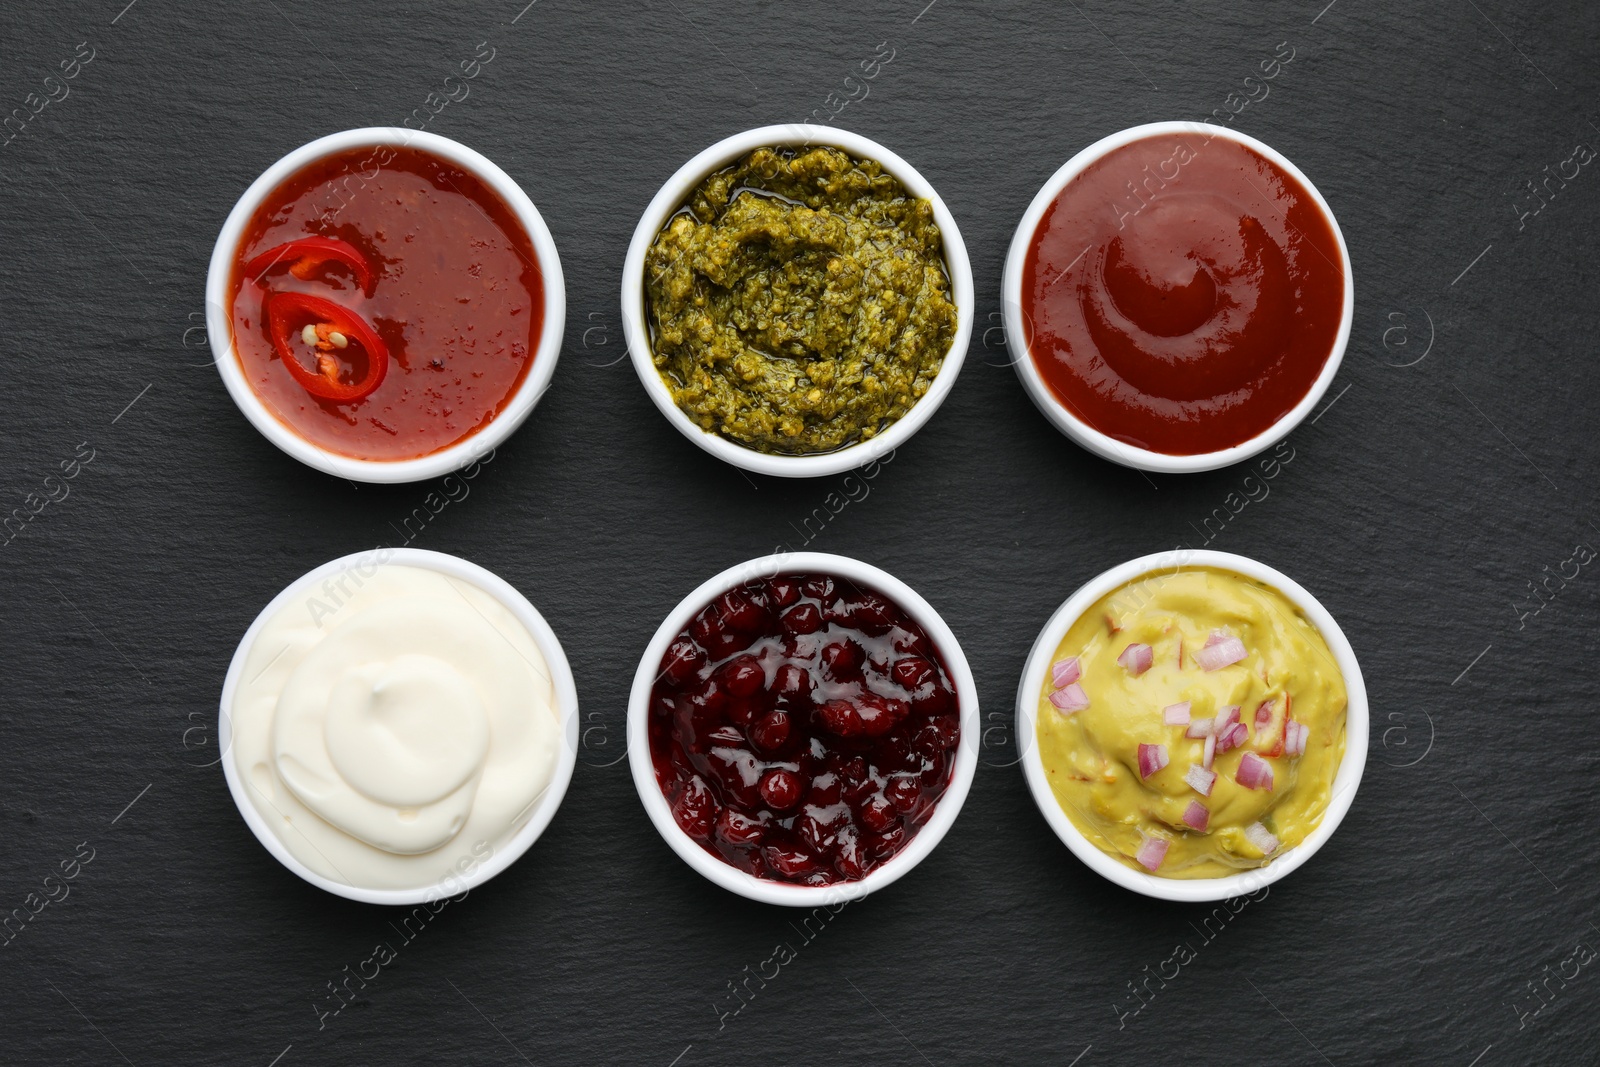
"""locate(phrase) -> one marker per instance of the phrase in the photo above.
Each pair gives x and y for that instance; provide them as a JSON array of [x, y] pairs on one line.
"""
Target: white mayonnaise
[[393, 723]]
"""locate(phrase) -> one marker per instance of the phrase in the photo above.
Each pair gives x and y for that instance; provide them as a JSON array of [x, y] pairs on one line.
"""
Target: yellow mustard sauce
[[1091, 757]]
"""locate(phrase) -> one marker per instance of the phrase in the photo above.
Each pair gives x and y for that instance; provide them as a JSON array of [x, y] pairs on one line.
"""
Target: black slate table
[[1441, 503]]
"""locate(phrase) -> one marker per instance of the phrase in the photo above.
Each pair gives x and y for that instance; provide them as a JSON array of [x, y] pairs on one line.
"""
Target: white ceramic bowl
[[219, 314], [671, 198], [545, 806], [655, 801], [1018, 333], [1345, 780]]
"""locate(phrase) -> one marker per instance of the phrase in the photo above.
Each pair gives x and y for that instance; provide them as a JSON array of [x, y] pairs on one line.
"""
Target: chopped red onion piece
[[1176, 714], [1261, 837], [1211, 751], [1196, 817], [1199, 728], [1232, 737], [1151, 759], [1065, 671], [1201, 780], [1227, 717], [1217, 656], [1216, 637], [1296, 744], [1136, 659], [1254, 772], [1070, 699], [1264, 715], [1151, 853]]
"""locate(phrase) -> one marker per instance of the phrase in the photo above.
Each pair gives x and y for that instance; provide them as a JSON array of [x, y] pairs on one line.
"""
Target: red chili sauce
[[453, 302], [1182, 295]]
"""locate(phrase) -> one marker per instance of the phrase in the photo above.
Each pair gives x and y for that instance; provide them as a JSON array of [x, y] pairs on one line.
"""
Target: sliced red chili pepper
[[291, 315], [306, 254]]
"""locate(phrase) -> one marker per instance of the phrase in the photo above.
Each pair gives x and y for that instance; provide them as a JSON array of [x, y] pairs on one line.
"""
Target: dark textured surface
[[1419, 507]]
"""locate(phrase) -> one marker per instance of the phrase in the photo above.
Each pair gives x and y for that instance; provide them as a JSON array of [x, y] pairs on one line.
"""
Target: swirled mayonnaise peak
[[393, 723]]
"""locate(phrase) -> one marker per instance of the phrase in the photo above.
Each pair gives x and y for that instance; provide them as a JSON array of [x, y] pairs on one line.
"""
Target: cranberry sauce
[[803, 728]]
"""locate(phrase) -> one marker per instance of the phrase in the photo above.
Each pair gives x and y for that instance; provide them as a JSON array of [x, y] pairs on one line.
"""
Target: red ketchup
[[1182, 295]]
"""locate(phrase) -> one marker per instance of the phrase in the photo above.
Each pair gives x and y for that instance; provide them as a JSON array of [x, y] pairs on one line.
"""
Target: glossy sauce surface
[[392, 724], [1182, 295], [1091, 757], [457, 298], [803, 728]]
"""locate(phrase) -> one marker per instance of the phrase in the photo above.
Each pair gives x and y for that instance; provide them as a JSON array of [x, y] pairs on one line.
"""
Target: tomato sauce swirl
[[1182, 295]]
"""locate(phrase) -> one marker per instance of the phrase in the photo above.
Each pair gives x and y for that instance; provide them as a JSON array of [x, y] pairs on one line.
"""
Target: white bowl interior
[[1018, 333], [566, 705], [1345, 781], [944, 812], [219, 314], [672, 196]]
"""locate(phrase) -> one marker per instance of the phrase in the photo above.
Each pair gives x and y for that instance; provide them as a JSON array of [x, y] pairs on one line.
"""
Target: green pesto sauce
[[799, 301]]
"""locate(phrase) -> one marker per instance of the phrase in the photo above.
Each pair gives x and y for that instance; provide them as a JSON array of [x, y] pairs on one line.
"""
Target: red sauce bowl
[[466, 298], [1177, 297], [803, 729]]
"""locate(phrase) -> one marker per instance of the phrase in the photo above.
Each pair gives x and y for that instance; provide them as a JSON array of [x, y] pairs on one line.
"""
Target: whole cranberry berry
[[818, 836], [742, 676], [880, 714], [877, 814], [872, 614], [850, 859], [819, 587], [740, 612], [783, 591], [791, 684], [683, 661], [789, 861], [737, 828], [802, 619], [903, 793], [747, 711], [696, 809], [770, 732], [714, 634], [886, 844], [936, 699], [780, 788], [706, 707], [825, 790], [840, 717], [843, 660], [927, 741], [912, 673]]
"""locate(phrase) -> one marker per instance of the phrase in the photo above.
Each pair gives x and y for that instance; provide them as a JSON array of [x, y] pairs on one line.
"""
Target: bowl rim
[[945, 810], [566, 707], [1068, 422], [671, 197], [1346, 780], [219, 315]]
